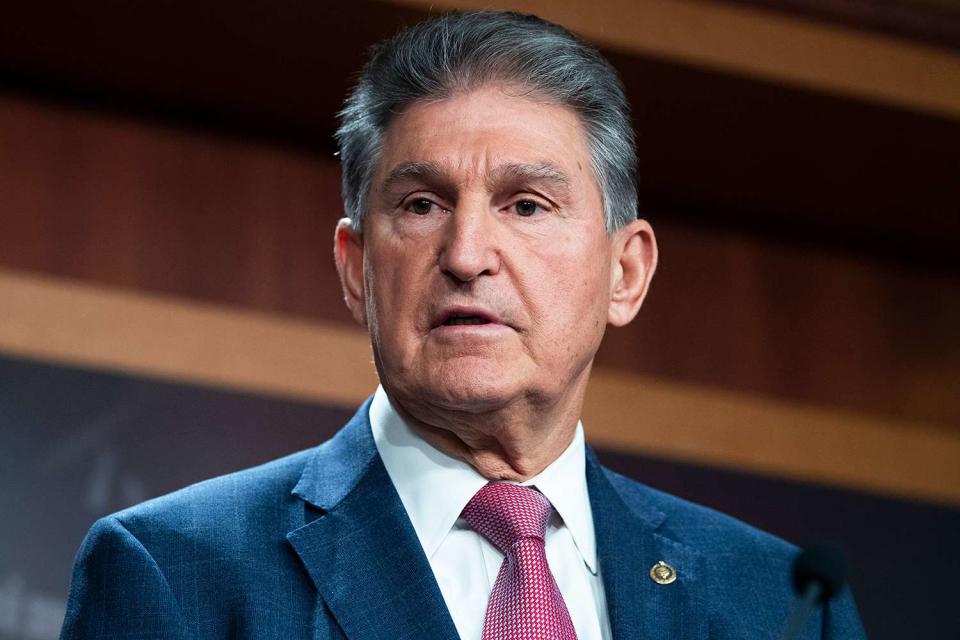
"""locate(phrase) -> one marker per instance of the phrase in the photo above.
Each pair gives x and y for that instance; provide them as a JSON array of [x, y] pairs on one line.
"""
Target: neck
[[514, 442]]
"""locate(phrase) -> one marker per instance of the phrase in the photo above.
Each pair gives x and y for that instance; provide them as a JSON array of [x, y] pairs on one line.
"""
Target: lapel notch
[[362, 553]]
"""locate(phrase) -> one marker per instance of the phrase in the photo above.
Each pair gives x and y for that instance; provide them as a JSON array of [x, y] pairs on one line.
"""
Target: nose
[[470, 248]]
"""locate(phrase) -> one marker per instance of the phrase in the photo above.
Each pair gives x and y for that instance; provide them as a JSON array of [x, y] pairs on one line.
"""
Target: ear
[[634, 261], [348, 254]]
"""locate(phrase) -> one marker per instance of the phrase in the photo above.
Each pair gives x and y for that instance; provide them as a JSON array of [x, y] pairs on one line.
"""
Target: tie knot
[[504, 513]]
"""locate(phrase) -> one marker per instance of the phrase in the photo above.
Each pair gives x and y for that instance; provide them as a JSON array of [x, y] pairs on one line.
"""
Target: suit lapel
[[628, 545], [362, 552]]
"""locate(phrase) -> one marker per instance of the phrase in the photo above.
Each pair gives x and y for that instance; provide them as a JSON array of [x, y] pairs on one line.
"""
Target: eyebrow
[[526, 173], [520, 172], [426, 172], [510, 173]]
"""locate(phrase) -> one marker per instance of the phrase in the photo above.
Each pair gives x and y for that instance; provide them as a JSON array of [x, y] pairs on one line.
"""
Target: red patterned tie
[[525, 603]]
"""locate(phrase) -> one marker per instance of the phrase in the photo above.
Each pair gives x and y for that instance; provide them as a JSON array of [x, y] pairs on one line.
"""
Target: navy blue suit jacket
[[318, 545]]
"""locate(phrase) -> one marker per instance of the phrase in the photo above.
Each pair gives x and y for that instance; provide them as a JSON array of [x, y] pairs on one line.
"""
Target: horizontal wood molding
[[763, 435], [74, 323], [86, 325], [757, 43]]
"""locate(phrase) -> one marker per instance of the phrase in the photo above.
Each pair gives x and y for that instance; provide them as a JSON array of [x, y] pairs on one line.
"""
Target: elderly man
[[491, 235]]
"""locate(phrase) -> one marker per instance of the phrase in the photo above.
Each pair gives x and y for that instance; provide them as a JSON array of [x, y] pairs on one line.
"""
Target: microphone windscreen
[[823, 562]]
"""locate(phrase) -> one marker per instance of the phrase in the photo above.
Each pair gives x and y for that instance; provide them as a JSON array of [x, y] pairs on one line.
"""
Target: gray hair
[[463, 51]]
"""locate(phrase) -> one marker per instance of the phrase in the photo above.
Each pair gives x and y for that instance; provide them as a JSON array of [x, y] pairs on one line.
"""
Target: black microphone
[[819, 572]]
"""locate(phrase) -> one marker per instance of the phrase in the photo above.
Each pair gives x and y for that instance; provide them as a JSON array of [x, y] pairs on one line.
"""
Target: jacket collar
[[361, 550], [361, 530]]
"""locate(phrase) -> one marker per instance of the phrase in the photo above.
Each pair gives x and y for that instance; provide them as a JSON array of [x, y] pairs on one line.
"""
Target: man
[[488, 178]]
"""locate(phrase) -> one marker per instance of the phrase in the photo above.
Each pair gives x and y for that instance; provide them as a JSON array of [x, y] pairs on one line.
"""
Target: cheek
[[570, 290], [547, 290], [394, 282], [581, 268]]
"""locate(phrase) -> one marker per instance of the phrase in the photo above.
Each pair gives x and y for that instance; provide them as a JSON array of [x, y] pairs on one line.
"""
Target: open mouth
[[463, 316], [453, 321]]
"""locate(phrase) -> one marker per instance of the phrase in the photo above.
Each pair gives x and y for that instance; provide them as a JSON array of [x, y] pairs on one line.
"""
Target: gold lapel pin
[[662, 573]]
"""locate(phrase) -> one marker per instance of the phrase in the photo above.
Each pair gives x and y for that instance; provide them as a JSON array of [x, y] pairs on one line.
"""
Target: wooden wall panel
[[165, 210], [799, 323], [120, 202], [719, 143]]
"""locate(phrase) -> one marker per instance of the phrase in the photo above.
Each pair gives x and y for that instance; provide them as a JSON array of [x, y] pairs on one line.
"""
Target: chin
[[472, 387]]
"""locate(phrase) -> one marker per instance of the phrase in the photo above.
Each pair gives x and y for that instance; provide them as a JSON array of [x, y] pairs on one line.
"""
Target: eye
[[527, 208], [420, 206]]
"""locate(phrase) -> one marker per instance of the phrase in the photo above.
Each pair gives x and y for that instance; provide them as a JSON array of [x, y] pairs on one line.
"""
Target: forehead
[[478, 133]]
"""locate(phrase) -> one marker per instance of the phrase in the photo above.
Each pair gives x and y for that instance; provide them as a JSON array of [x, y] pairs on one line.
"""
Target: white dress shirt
[[434, 489]]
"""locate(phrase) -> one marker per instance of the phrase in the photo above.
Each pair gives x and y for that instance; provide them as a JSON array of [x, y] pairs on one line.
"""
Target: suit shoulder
[[701, 526], [209, 554], [231, 499]]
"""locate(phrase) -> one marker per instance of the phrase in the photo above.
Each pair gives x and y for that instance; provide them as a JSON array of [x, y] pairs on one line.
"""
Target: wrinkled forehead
[[487, 135]]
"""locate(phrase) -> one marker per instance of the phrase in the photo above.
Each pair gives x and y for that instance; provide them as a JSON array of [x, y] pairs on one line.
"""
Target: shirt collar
[[417, 470], [564, 483]]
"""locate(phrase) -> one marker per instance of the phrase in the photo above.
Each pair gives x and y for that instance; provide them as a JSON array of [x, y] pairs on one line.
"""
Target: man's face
[[484, 261]]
